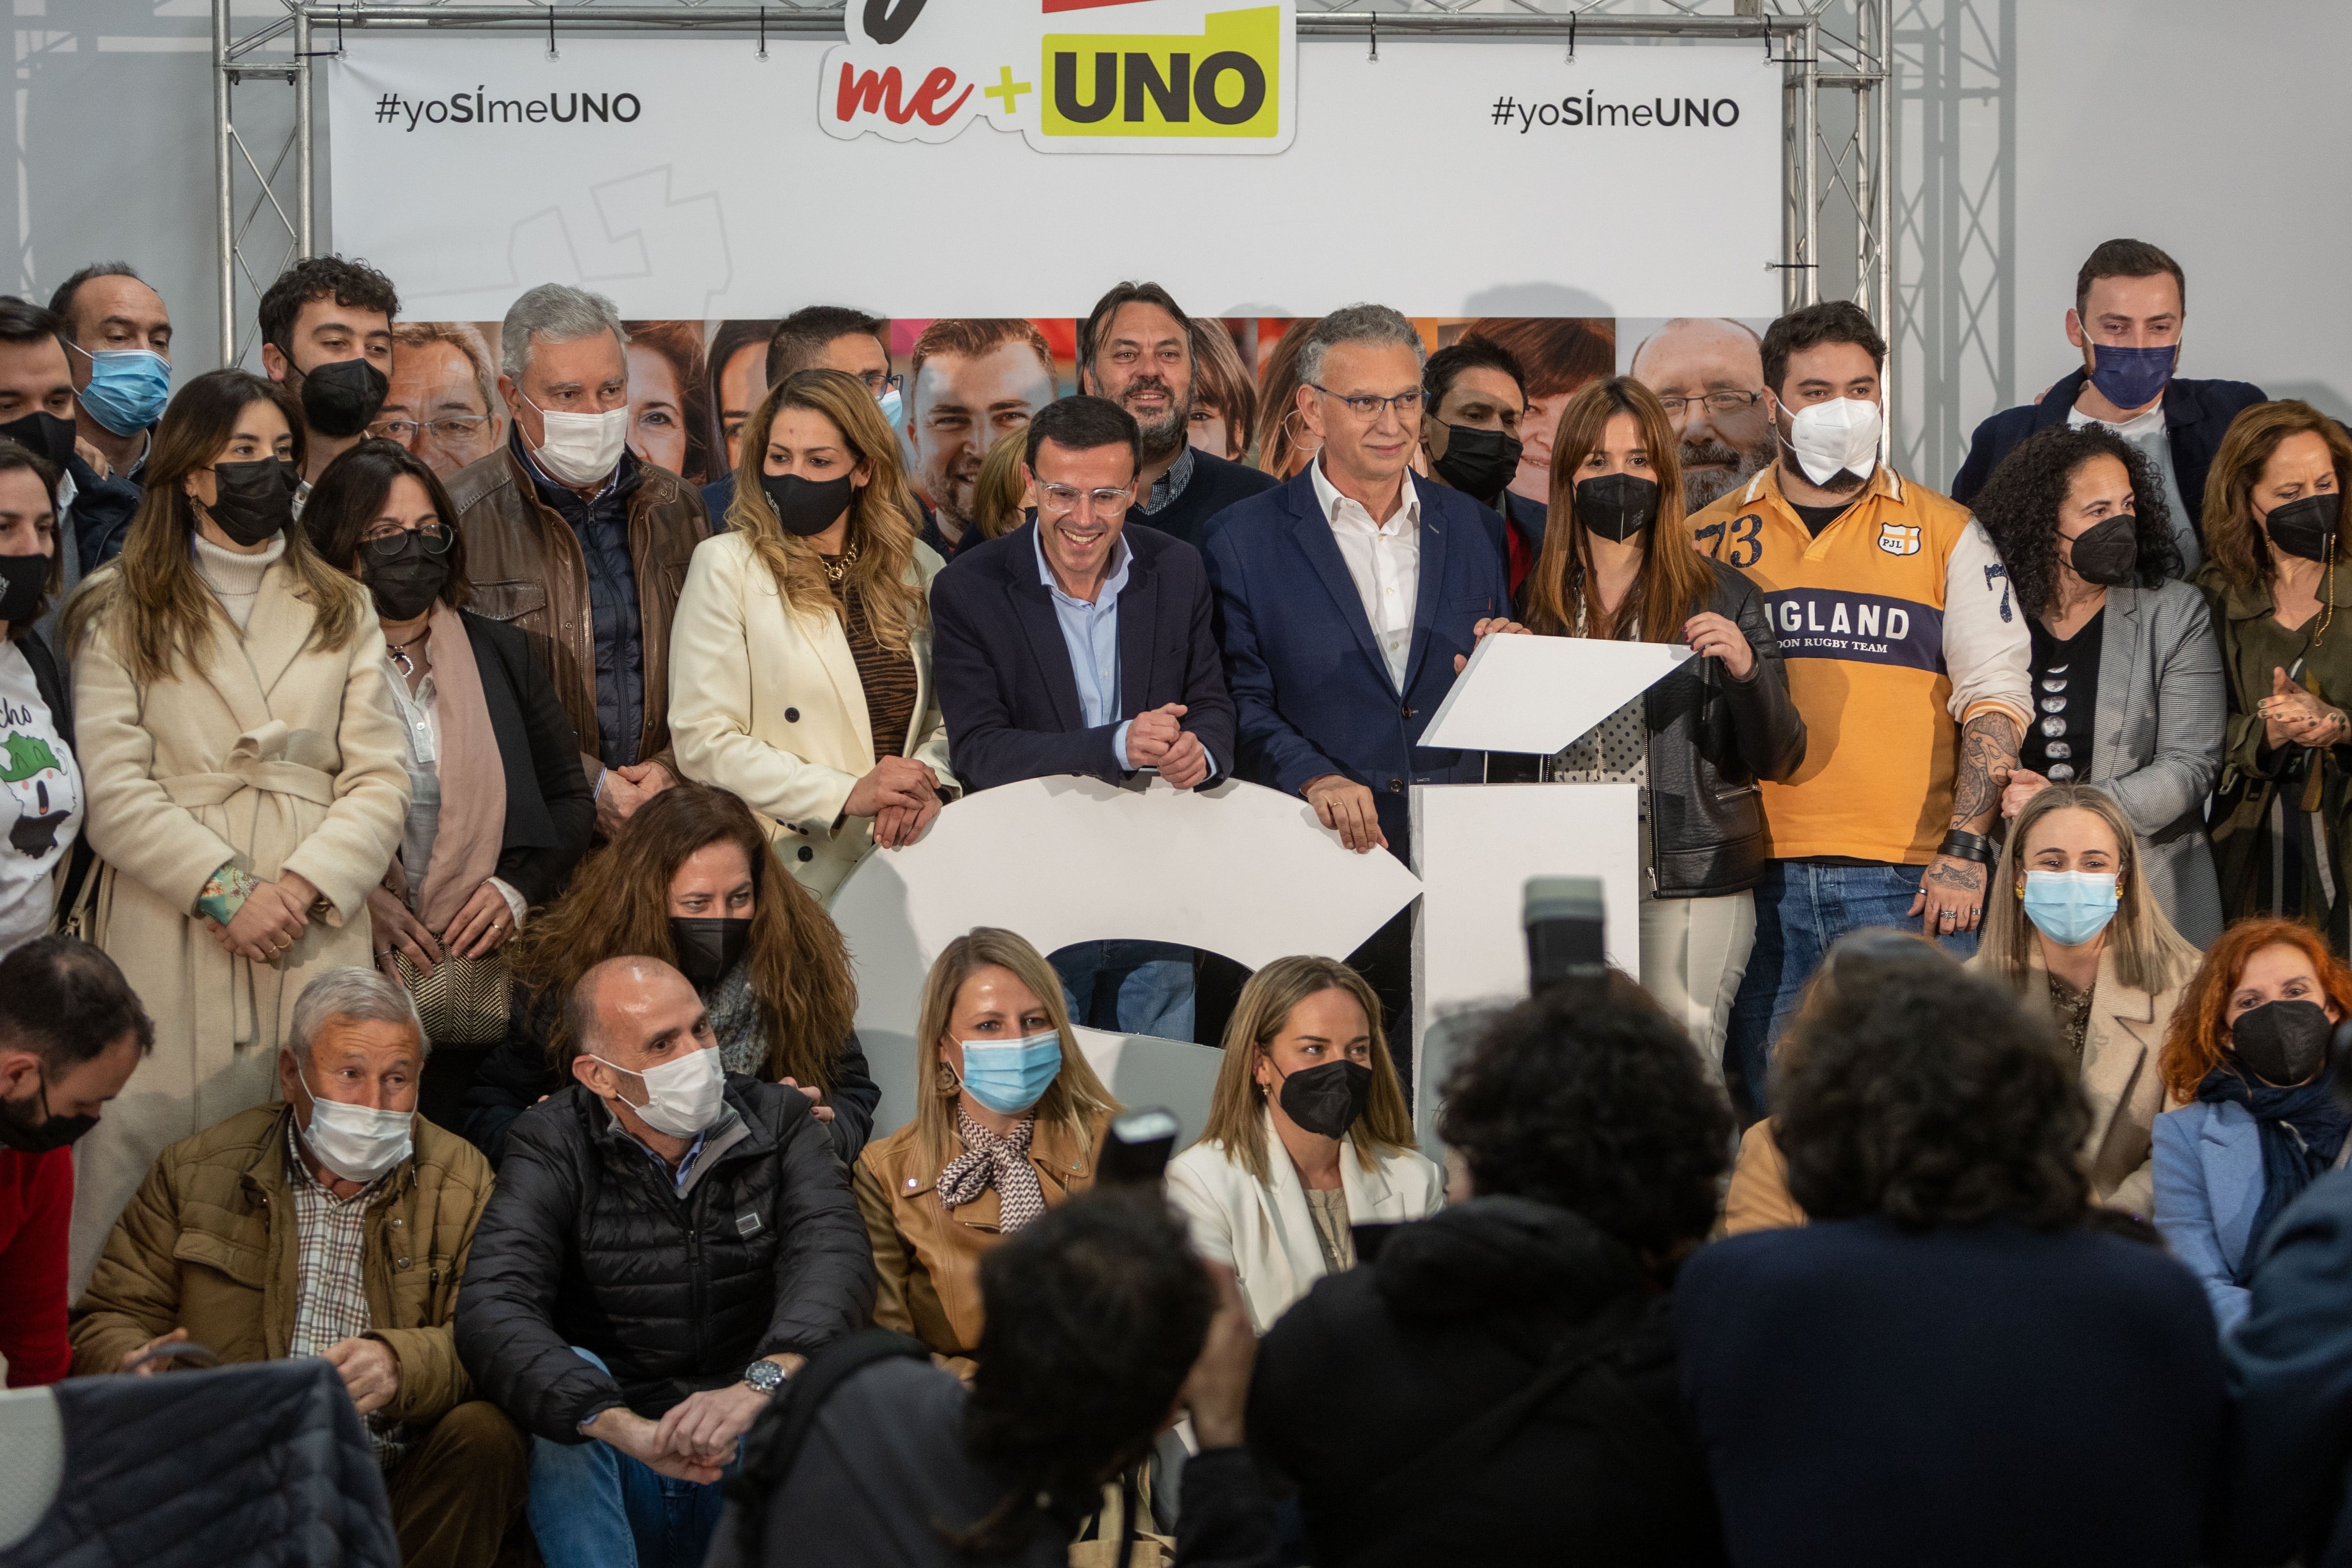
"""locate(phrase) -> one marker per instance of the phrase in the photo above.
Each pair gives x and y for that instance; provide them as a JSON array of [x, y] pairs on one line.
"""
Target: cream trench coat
[[279, 756], [765, 702], [1264, 1228]]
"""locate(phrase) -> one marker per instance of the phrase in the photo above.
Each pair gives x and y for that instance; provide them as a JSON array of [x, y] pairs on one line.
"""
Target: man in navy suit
[[1349, 597], [2131, 306], [1078, 644]]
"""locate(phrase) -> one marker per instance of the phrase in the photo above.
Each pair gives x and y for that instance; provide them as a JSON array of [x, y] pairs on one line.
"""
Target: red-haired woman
[[1616, 564], [2247, 1053]]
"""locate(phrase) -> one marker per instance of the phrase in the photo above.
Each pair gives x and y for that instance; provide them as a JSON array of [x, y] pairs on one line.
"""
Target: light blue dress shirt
[[1091, 634]]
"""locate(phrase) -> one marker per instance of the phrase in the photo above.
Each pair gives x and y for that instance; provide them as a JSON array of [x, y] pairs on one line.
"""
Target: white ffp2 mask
[[1838, 436], [684, 1096], [357, 1142], [582, 448]]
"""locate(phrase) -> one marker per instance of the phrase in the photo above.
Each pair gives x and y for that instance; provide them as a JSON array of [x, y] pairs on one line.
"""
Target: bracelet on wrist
[[1962, 845]]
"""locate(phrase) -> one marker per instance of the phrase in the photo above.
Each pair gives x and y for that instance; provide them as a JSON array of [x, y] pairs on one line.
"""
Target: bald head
[[1689, 360], [632, 1011]]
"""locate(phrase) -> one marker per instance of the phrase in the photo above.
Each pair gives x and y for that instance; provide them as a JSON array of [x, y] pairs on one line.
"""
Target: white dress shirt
[[1384, 561]]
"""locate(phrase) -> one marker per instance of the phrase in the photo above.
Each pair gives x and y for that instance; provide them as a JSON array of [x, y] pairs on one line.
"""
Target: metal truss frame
[[1833, 55]]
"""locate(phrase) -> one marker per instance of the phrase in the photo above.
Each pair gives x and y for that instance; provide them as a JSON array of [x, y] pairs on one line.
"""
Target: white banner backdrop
[[686, 177]]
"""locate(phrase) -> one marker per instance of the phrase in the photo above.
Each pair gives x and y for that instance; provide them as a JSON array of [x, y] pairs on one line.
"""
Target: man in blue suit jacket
[[1349, 597], [1077, 643], [2130, 301]]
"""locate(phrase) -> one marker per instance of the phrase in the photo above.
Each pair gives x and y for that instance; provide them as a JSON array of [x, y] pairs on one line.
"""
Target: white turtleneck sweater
[[234, 579]]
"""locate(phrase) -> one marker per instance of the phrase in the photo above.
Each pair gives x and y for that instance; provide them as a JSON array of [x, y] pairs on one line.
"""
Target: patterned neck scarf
[[989, 1161]]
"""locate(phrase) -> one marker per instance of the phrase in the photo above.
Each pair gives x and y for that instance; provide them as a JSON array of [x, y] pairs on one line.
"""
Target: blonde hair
[[997, 495], [1076, 1099], [882, 514], [2149, 954], [1237, 1107]]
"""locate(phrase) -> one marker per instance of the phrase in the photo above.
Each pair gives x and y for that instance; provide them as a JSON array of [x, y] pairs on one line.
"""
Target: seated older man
[[668, 1242], [335, 1223]]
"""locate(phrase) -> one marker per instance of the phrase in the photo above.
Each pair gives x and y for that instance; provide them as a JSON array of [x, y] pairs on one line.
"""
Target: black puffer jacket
[[586, 1243], [1361, 1385], [1711, 738]]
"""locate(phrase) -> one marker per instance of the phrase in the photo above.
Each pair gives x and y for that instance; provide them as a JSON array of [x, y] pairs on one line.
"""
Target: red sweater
[[35, 1210]]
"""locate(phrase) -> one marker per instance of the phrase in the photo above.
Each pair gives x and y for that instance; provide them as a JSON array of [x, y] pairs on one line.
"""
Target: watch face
[[764, 1375]]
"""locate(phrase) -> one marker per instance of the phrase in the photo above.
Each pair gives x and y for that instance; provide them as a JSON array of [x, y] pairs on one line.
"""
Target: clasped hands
[[270, 923], [2292, 715], [901, 795], [1156, 740], [695, 1440]]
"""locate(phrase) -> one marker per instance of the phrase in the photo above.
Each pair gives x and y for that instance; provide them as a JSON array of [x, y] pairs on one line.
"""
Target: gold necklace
[[838, 571]]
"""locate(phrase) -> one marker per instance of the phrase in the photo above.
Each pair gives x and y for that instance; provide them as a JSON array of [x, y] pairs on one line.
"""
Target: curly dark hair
[[2019, 508], [1095, 1316], [1588, 1097], [1915, 1090], [352, 284]]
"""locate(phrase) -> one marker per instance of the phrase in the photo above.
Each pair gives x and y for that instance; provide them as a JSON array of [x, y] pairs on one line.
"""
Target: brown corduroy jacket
[[208, 1245]]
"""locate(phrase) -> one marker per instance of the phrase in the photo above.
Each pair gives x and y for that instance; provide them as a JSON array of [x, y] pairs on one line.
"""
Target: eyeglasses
[[456, 427], [1368, 406], [1716, 402], [387, 545], [1060, 500], [877, 383]]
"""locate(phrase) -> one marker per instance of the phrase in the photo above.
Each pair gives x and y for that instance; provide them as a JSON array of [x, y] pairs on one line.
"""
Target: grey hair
[[359, 996], [559, 314], [1355, 324]]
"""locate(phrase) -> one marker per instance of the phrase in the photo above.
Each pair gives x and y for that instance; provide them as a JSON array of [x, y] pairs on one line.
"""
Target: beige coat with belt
[[765, 702], [278, 755]]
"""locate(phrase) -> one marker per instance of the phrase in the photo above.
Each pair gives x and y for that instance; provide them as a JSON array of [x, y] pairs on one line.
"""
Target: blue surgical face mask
[[892, 406], [2129, 378], [1010, 1075], [2070, 908], [128, 388]]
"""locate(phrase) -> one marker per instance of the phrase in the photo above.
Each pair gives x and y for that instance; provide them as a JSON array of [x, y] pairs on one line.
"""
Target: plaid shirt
[[329, 1291]]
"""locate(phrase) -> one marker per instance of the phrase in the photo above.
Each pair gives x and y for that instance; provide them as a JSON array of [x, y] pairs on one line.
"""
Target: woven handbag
[[464, 1002]]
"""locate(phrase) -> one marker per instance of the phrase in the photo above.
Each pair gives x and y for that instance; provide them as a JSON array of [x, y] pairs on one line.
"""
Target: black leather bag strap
[[1576, 1368], [776, 1439]]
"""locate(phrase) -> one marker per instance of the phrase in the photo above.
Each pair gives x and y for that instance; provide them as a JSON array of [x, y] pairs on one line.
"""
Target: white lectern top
[[1537, 694]]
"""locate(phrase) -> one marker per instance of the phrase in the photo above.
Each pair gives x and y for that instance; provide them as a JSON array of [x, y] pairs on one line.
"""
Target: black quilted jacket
[[228, 1468], [586, 1243]]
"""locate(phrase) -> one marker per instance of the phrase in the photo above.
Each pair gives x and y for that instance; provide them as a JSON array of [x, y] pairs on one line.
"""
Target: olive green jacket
[[208, 1245]]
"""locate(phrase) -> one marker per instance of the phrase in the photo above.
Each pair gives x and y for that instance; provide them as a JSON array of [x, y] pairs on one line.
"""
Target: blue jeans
[[591, 1506], [1802, 909], [1152, 981]]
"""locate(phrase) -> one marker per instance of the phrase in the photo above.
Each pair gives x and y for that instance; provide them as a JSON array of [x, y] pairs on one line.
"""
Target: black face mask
[[2282, 1043], [1616, 506], [2107, 551], [1478, 462], [21, 578], [406, 581], [252, 499], [2305, 527], [342, 398], [806, 507], [40, 1137], [707, 948], [43, 434], [1327, 1099]]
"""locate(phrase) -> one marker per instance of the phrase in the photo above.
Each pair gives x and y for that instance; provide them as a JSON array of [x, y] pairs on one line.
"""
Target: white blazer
[[1264, 1228], [765, 702]]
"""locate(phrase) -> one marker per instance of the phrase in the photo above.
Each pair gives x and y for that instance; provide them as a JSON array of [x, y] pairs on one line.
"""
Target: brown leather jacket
[[526, 569], [926, 1258]]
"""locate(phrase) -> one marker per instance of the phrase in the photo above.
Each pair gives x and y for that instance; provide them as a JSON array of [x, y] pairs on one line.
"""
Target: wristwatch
[[764, 1375]]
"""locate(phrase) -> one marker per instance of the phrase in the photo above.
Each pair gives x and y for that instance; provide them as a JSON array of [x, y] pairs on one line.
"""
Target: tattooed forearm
[[1987, 755], [1959, 876]]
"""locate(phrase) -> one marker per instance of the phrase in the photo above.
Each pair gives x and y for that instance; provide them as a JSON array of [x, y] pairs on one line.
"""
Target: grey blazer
[[2158, 748]]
